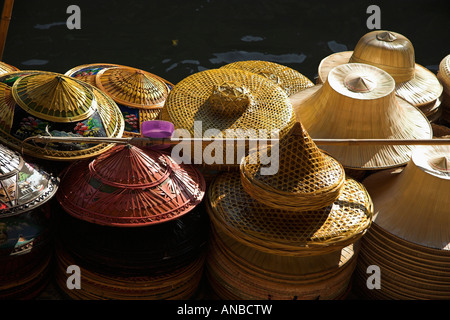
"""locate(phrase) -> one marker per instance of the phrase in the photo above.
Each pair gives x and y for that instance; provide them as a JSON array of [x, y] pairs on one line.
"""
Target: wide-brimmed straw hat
[[290, 80], [357, 101], [393, 53], [305, 178], [228, 99], [53, 104], [444, 77], [128, 186]]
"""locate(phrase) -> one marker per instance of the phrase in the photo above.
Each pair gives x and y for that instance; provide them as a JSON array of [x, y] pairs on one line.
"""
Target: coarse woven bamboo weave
[[358, 102], [289, 233], [290, 80], [393, 53], [229, 103], [128, 186], [108, 111], [232, 280], [306, 179], [411, 202], [177, 285], [7, 68]]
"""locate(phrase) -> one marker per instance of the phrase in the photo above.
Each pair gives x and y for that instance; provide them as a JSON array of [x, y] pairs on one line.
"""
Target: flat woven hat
[[127, 186], [6, 68], [23, 186], [306, 178], [290, 233], [412, 203], [290, 80], [46, 103], [393, 53], [228, 100], [358, 102]]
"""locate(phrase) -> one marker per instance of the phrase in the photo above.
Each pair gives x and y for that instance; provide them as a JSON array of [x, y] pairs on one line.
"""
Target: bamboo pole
[[4, 24]]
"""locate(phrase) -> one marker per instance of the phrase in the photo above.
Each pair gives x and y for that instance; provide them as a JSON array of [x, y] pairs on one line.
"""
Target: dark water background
[[174, 39]]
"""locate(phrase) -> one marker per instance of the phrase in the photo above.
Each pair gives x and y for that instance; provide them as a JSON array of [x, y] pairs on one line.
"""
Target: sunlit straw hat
[[6, 68], [305, 178], [393, 53], [290, 80], [88, 72], [444, 77], [51, 103], [357, 101]]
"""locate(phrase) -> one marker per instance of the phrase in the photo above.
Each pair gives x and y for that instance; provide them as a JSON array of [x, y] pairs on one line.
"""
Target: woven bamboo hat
[[282, 232], [23, 186], [393, 53], [306, 179], [444, 77], [412, 203], [228, 100], [88, 72], [6, 68], [290, 80], [51, 103], [358, 102], [127, 186]]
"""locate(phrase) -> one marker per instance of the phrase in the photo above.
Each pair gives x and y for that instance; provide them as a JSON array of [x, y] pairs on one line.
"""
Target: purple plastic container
[[157, 129]]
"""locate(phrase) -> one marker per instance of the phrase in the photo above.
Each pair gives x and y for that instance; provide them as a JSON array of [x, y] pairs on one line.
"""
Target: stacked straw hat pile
[[409, 240], [444, 76], [289, 234], [393, 53], [139, 94], [25, 226], [46, 103], [130, 222]]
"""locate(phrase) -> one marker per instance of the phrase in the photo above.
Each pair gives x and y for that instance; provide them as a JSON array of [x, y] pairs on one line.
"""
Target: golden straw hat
[[290, 80], [393, 53], [444, 77], [288, 233], [412, 203], [358, 101], [228, 99], [88, 72], [51, 103], [7, 68], [305, 179]]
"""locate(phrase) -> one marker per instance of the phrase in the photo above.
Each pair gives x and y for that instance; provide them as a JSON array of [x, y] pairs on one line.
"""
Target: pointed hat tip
[[441, 163]]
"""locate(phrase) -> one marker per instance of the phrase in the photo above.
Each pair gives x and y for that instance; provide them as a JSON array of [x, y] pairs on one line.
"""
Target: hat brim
[[422, 90], [412, 124]]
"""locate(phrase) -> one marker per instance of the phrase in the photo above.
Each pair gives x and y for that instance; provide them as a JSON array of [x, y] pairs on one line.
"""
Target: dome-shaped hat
[[45, 103], [290, 80], [393, 53], [23, 186], [228, 100], [412, 203], [305, 177], [357, 101], [296, 233], [128, 186]]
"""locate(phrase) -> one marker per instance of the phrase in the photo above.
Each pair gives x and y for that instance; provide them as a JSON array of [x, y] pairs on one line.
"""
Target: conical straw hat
[[88, 72], [288, 233], [444, 77], [41, 103], [228, 100], [413, 203], [393, 53], [128, 186], [6, 68], [305, 179], [290, 80], [358, 102]]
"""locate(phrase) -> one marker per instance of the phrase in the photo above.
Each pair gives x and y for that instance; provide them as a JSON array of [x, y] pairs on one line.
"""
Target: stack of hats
[[44, 103], [130, 222], [444, 77], [25, 226], [226, 103], [139, 94], [409, 238], [358, 101], [290, 80], [290, 233], [393, 53]]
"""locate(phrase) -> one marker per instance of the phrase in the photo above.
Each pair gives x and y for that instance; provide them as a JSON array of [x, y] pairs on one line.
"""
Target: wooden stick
[[4, 24], [142, 141]]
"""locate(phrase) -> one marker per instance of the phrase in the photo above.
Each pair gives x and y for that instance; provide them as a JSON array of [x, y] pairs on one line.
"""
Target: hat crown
[[441, 164], [359, 83], [389, 51], [230, 98]]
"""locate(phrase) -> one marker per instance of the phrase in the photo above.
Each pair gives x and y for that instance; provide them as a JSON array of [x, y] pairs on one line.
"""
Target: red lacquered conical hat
[[128, 186]]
